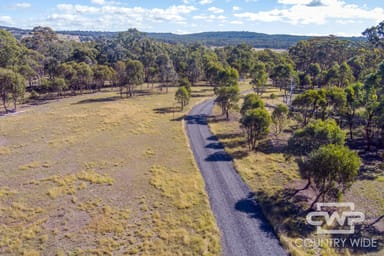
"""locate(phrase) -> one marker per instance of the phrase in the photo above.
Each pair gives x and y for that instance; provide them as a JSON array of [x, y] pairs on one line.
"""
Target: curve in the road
[[244, 229]]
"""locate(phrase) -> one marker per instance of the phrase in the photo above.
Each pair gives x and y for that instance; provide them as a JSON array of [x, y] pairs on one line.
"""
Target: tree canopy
[[333, 169]]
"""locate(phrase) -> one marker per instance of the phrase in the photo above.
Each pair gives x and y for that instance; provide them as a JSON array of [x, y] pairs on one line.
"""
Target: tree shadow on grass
[[239, 154], [210, 89], [143, 92], [38, 102], [216, 119], [367, 172], [166, 110], [231, 141], [199, 95], [178, 119], [366, 233], [287, 212], [98, 100], [267, 147], [372, 160]]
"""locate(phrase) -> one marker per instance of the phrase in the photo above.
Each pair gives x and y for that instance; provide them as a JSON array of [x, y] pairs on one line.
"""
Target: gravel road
[[243, 228]]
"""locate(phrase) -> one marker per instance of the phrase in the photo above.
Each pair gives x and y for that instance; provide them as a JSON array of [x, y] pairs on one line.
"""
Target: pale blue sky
[[305, 17]]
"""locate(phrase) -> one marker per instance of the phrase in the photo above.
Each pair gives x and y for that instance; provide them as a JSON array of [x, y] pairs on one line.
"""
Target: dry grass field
[[100, 175], [273, 176]]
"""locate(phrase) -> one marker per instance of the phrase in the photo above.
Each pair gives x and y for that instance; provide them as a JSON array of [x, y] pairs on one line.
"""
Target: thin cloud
[[301, 13], [294, 2], [209, 18], [6, 20], [215, 10], [100, 2], [82, 9], [236, 8], [205, 2], [106, 16], [23, 5], [236, 22]]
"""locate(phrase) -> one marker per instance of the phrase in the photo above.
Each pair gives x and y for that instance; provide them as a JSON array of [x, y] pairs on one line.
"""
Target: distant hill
[[16, 32], [212, 39], [257, 40]]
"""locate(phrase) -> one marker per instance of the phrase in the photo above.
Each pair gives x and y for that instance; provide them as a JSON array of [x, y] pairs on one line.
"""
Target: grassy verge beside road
[[96, 174], [274, 177]]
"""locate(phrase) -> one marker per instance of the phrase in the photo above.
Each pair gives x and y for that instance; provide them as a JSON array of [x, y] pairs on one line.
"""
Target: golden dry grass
[[96, 174], [269, 171]]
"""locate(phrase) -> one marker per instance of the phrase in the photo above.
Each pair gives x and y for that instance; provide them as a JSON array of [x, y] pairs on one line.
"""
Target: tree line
[[52, 66], [328, 83], [329, 86]]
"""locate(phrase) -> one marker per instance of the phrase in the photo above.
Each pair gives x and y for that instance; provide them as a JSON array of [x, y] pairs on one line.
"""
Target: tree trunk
[[121, 91], [14, 105], [368, 132], [315, 201], [5, 103]]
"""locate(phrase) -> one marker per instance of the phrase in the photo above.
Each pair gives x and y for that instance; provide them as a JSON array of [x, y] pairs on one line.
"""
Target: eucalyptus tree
[[182, 97], [375, 35], [84, 75], [322, 50], [345, 75], [315, 134], [194, 67], [251, 101], [371, 105], [284, 77], [166, 69], [101, 74], [40, 39], [240, 57], [280, 117], [58, 85], [333, 169], [134, 75], [256, 123], [354, 100], [227, 98], [259, 78], [12, 87], [28, 72], [314, 71], [121, 75], [9, 49], [213, 70], [227, 91], [68, 71], [307, 104]]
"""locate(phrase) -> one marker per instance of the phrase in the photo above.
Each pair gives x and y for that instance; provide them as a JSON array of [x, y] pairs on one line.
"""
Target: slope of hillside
[[212, 39]]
